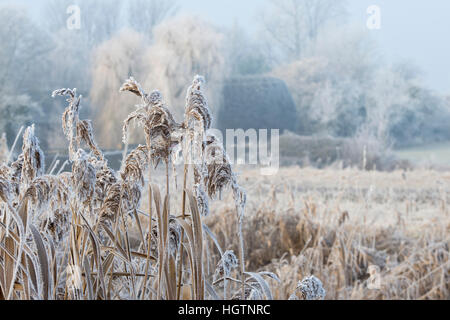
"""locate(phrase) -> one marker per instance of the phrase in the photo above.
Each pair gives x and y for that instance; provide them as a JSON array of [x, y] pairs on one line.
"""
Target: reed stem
[[183, 213], [149, 245]]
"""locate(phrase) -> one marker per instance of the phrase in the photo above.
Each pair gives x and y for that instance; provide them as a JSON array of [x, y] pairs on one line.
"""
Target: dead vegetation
[[139, 233], [71, 235], [365, 235]]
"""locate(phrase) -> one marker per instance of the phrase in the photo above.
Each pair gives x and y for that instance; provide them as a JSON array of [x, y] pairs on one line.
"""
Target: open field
[[339, 225], [336, 224], [437, 154]]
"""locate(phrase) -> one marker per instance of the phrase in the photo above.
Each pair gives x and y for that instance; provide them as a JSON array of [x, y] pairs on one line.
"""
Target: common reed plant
[[71, 235]]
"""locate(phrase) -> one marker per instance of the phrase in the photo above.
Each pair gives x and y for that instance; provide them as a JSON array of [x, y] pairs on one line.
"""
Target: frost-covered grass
[[365, 235]]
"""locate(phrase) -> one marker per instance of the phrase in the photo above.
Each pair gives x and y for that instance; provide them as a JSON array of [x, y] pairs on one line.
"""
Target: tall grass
[[365, 235], [68, 235], [136, 233]]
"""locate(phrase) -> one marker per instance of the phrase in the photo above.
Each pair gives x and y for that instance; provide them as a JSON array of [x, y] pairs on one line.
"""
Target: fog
[[243, 150], [387, 85], [411, 30]]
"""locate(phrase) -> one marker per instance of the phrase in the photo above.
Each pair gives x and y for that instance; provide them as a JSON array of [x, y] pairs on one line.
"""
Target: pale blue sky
[[417, 31], [413, 30]]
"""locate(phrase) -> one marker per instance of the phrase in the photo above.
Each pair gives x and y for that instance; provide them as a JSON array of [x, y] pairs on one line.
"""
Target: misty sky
[[413, 30]]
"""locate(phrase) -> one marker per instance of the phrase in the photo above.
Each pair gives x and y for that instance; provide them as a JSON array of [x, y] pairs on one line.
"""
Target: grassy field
[[438, 154], [341, 225]]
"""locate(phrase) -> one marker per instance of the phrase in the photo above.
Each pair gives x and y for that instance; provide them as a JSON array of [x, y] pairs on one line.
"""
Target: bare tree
[[184, 47], [23, 60], [70, 61], [115, 61], [245, 55], [291, 24], [144, 15], [331, 82], [100, 19], [23, 50], [71, 55], [17, 110]]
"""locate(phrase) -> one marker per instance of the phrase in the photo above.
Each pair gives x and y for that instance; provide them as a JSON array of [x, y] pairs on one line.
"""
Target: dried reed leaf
[[198, 245], [262, 284], [43, 261], [88, 278]]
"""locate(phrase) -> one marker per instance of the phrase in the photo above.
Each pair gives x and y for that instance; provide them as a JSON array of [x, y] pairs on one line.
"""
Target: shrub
[[254, 102], [361, 152]]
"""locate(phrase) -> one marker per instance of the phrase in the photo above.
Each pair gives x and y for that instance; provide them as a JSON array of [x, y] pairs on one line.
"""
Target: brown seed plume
[[33, 158]]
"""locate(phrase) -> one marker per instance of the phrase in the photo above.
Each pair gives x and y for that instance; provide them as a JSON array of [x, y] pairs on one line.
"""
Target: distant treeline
[[317, 77]]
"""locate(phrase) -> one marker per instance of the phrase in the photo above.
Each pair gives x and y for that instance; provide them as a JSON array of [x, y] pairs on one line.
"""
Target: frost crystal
[[311, 288], [293, 297], [83, 177], [33, 157], [226, 264]]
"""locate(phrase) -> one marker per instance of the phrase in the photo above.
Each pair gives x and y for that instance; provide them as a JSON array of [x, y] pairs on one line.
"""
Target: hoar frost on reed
[[226, 265], [310, 288], [33, 158], [159, 128], [79, 221], [83, 178]]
